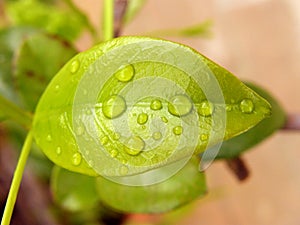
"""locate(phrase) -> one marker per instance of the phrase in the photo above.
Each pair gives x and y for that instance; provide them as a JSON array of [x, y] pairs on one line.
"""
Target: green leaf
[[185, 186], [64, 23], [234, 147], [39, 59], [73, 191], [202, 29], [133, 7], [134, 104], [10, 41]]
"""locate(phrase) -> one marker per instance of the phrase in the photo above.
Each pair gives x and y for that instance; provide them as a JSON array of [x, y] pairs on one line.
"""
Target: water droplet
[[164, 119], [142, 118], [180, 105], [49, 138], [229, 108], [114, 106], [177, 130], [156, 104], [123, 170], [156, 135], [247, 106], [76, 159], [58, 150], [203, 137], [125, 74], [57, 87], [74, 66], [206, 108], [104, 140], [134, 145], [114, 153]]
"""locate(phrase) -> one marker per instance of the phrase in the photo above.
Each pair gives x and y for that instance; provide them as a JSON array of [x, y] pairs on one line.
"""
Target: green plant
[[199, 96]]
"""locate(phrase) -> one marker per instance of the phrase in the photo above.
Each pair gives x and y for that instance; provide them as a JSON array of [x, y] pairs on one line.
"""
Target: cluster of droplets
[[115, 105]]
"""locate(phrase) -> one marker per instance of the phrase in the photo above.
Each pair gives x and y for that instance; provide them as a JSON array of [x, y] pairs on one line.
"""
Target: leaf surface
[[134, 104]]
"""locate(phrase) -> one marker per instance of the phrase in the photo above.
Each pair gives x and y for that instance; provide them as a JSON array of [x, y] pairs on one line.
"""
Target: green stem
[[14, 113], [108, 19], [13, 192]]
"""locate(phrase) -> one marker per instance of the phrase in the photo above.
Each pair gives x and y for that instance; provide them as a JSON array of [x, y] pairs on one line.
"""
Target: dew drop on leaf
[[177, 130], [180, 105], [104, 140], [49, 138], [125, 74], [58, 150], [142, 118], [164, 119], [203, 137], [114, 106], [76, 159], [134, 145], [247, 106], [156, 104], [156, 135], [206, 109], [75, 66]]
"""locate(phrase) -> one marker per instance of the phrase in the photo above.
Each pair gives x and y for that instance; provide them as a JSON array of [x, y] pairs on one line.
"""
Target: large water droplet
[[142, 118], [180, 105], [247, 106], [156, 135], [134, 145], [177, 130], [125, 74], [206, 108], [74, 66], [76, 159], [114, 106], [156, 104]]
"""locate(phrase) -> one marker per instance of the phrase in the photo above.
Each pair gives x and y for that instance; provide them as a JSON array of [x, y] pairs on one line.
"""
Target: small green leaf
[[134, 104], [133, 7], [185, 186], [10, 42], [73, 191], [64, 23], [39, 59], [199, 30], [234, 147]]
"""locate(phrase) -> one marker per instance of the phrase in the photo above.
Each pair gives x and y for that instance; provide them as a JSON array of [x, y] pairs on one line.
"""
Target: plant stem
[[13, 192], [238, 167], [108, 19], [292, 122], [119, 12], [16, 114]]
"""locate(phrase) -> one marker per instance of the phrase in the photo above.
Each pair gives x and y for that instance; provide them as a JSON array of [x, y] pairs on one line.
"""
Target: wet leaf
[[187, 185], [133, 8], [73, 191], [234, 147], [134, 104], [64, 23], [40, 57]]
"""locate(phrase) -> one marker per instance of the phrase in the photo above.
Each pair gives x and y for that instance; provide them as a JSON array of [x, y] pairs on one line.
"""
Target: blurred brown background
[[257, 40]]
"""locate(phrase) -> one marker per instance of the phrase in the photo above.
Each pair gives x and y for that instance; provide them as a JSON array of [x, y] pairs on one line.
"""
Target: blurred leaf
[[133, 7], [64, 23], [10, 42], [39, 59], [57, 128], [73, 191], [199, 30], [235, 146], [185, 186]]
